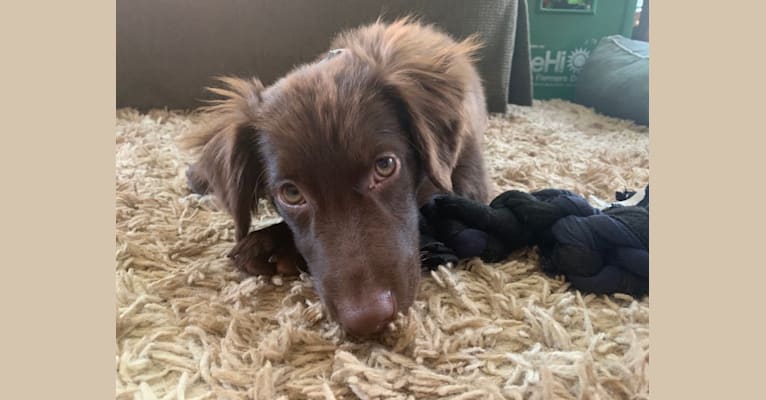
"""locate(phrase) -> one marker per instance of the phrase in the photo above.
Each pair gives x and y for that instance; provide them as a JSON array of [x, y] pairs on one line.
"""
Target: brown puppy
[[347, 148]]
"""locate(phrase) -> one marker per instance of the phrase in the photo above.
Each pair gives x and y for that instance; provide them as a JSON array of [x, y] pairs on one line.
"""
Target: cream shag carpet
[[191, 327]]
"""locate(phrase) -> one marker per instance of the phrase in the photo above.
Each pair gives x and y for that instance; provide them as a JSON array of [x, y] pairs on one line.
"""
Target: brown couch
[[168, 50]]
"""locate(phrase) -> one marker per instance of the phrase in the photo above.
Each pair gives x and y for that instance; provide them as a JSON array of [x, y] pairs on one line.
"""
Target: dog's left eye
[[385, 166]]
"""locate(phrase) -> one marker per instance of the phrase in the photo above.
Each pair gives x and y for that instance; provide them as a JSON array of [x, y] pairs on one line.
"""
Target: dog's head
[[342, 146]]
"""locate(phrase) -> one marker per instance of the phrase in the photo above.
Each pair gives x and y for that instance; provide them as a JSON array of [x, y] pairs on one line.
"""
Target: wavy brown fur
[[189, 326], [400, 90]]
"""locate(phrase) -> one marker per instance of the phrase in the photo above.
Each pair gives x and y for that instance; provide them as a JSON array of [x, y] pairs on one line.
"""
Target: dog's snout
[[368, 315]]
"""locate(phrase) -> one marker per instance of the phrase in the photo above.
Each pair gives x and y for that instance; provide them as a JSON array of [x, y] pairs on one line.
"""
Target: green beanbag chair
[[615, 79]]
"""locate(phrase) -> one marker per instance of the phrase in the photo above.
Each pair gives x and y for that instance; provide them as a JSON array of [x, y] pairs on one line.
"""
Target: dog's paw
[[268, 251]]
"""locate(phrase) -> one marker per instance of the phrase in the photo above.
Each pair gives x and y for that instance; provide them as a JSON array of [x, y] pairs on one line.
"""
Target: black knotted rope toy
[[598, 251]]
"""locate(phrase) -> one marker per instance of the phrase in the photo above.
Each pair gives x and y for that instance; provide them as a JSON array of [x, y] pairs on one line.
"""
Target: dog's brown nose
[[368, 315]]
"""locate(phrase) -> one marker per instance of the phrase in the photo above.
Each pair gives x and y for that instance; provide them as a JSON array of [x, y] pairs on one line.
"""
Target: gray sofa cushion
[[168, 51], [615, 79]]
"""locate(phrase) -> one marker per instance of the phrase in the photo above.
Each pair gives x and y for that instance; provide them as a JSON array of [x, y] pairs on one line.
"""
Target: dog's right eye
[[291, 195], [385, 166]]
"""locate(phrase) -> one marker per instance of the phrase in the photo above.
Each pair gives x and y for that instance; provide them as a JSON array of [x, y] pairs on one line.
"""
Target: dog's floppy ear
[[428, 76], [229, 161], [424, 112]]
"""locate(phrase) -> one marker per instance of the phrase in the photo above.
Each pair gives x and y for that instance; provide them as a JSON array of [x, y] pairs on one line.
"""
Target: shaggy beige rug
[[191, 327]]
